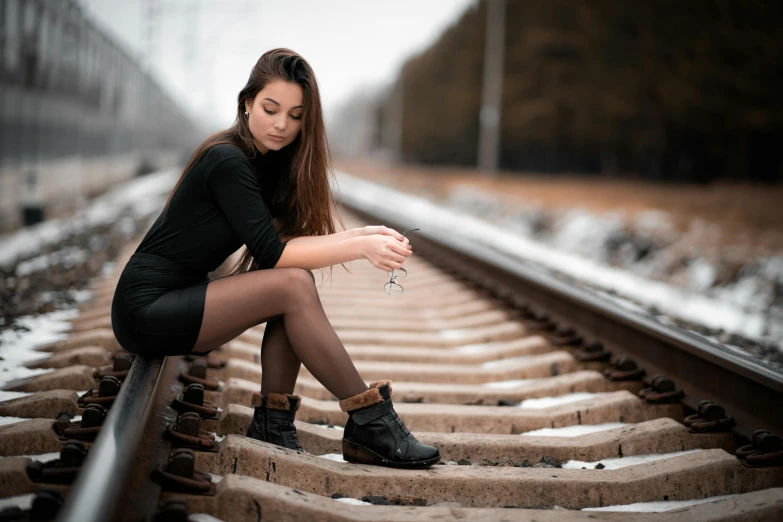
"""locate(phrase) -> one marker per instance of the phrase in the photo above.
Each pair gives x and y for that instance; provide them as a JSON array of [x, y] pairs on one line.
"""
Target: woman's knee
[[298, 279]]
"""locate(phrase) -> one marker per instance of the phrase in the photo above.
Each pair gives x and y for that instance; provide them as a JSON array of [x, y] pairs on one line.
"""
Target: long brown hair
[[304, 200]]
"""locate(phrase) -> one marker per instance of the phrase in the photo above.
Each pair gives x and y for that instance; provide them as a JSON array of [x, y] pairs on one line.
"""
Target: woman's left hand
[[380, 229]]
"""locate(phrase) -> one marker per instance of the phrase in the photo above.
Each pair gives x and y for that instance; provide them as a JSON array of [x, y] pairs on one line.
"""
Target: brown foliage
[[674, 89]]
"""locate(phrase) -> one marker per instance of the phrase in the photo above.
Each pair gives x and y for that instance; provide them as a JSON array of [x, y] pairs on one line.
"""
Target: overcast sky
[[204, 49]]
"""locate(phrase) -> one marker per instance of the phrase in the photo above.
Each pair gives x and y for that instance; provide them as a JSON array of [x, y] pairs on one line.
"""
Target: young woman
[[263, 183]]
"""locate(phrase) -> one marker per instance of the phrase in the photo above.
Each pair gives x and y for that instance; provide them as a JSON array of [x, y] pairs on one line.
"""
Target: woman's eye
[[273, 113]]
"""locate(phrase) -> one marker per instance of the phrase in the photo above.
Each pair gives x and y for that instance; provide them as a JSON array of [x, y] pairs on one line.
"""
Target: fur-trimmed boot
[[374, 434], [273, 419]]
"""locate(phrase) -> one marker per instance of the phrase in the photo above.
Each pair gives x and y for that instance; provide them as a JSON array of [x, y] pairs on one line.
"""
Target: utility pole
[[492, 87], [151, 13], [150, 33], [391, 137]]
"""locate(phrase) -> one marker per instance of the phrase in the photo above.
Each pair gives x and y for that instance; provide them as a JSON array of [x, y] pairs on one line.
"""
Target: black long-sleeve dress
[[223, 202]]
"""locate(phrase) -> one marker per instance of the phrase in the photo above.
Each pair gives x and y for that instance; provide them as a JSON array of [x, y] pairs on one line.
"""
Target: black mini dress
[[222, 203]]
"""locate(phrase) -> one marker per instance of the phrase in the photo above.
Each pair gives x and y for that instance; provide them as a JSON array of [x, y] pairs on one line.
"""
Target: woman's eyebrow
[[273, 101]]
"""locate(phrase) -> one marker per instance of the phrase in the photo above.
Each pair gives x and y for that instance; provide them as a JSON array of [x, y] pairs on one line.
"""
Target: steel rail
[[750, 389], [114, 482]]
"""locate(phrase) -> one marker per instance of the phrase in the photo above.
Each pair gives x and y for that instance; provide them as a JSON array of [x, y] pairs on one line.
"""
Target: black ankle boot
[[374, 434], [273, 419]]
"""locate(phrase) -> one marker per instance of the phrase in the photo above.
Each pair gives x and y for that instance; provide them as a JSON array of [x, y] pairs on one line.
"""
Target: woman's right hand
[[385, 252]]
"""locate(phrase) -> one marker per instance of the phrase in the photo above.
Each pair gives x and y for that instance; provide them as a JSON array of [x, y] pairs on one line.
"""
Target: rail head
[[103, 486]]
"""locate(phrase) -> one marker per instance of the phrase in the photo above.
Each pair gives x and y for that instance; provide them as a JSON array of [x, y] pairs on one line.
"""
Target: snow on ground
[[581, 261], [337, 457], [625, 462], [475, 348], [141, 196], [550, 402], [17, 345], [43, 457], [8, 395], [203, 517], [353, 501], [5, 421], [24, 502], [574, 431], [657, 507]]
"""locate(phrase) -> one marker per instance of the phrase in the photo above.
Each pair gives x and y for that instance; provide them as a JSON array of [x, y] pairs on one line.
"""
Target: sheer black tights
[[297, 328]]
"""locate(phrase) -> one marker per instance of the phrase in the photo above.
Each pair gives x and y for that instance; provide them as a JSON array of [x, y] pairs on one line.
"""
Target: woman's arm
[[329, 238], [314, 255], [346, 234], [383, 251]]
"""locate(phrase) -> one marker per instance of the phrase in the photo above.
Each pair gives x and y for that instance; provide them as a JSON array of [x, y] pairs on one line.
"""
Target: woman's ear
[[248, 105]]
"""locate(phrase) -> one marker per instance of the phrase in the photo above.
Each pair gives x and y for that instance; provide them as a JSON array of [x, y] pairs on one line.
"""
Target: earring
[[245, 113]]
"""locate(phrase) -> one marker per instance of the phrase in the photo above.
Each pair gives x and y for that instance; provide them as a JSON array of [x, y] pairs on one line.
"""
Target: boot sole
[[357, 454]]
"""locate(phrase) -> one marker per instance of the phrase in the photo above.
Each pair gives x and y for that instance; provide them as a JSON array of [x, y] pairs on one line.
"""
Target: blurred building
[[77, 113]]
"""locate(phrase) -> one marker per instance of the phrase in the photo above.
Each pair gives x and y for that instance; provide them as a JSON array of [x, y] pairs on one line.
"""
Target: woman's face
[[275, 111]]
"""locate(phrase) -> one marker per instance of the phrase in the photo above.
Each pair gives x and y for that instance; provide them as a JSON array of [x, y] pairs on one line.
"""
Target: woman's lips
[[278, 138]]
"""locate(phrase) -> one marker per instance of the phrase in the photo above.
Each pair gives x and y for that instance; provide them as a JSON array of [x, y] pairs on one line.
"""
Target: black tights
[[297, 328]]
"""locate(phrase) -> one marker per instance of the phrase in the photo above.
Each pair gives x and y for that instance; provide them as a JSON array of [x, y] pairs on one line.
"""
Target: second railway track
[[481, 352]]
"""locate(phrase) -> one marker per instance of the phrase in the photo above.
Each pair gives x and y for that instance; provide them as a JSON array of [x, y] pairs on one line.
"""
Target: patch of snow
[[17, 347], [507, 384], [500, 363], [24, 502], [453, 334], [337, 457], [215, 478], [658, 507], [107, 269], [44, 457], [549, 402], [701, 275], [9, 395], [203, 517], [80, 296], [473, 348], [142, 196], [574, 431], [68, 257], [584, 233], [5, 421], [656, 222], [352, 501], [625, 462], [218, 438], [326, 426]]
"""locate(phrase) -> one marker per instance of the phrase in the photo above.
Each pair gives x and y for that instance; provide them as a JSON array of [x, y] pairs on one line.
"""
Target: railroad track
[[483, 352]]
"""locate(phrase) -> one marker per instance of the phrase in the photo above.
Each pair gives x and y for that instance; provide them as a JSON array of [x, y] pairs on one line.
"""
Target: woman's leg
[[278, 360], [236, 303]]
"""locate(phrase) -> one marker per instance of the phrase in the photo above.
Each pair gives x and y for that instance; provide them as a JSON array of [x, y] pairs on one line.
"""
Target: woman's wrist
[[357, 247]]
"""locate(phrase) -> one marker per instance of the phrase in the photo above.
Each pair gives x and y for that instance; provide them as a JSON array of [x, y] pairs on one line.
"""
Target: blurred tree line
[[685, 90]]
